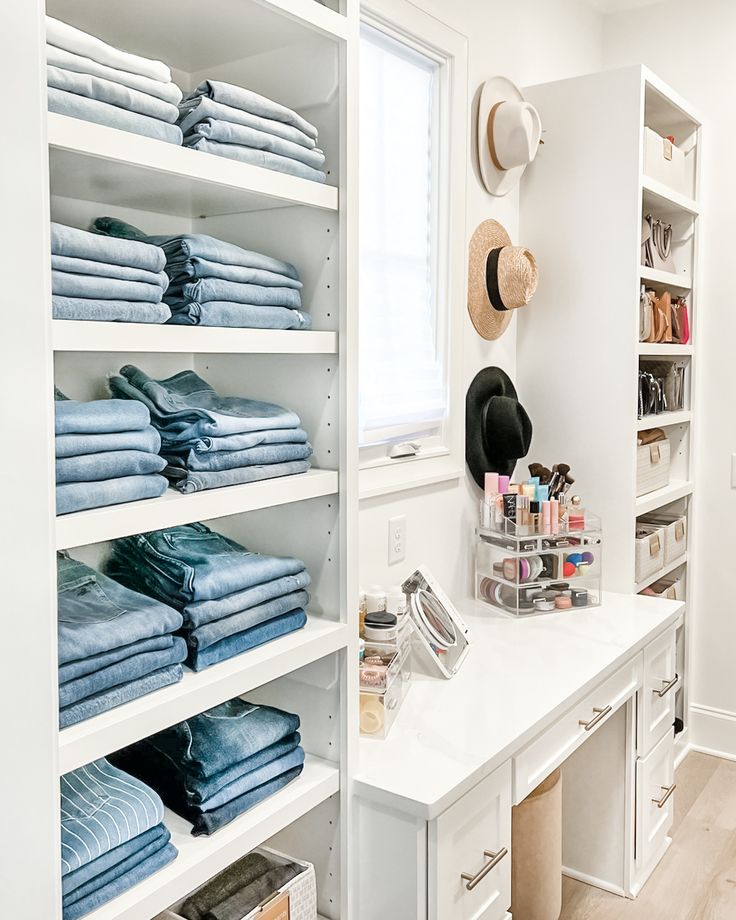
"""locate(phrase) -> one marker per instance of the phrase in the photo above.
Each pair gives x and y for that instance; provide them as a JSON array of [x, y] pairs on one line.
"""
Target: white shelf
[[82, 743], [70, 335], [96, 163], [663, 419], [678, 488], [173, 509], [665, 570], [666, 201], [202, 857], [669, 280], [664, 349]]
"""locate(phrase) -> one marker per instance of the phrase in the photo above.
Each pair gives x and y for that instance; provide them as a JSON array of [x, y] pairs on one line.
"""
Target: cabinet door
[[654, 801], [470, 853], [657, 707]]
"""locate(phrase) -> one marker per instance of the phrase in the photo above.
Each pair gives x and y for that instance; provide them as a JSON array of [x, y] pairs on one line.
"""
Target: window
[[412, 191]]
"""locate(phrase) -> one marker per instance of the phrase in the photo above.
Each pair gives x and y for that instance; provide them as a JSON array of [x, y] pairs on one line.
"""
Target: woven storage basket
[[675, 533], [652, 466], [649, 542], [671, 588]]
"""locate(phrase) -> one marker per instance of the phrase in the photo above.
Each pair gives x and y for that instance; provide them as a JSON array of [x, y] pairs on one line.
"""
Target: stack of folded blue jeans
[[215, 283], [218, 764], [114, 645], [231, 599], [210, 440], [106, 453], [231, 121], [97, 277], [91, 80], [112, 836]]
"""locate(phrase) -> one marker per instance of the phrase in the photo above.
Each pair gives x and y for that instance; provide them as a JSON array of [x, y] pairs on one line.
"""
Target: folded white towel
[[70, 39]]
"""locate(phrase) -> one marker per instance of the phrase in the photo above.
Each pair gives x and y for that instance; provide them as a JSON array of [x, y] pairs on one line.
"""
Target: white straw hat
[[509, 134]]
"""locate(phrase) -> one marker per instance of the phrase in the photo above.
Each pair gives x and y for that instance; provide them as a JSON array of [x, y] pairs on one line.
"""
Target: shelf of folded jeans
[[82, 743], [69, 335], [202, 857], [173, 508], [102, 164]]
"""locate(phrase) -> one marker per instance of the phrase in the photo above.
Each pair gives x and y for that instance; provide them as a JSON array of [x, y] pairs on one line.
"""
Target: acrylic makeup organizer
[[523, 573]]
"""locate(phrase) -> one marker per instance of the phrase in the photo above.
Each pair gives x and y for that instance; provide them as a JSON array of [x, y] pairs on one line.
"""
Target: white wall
[[530, 41], [691, 46]]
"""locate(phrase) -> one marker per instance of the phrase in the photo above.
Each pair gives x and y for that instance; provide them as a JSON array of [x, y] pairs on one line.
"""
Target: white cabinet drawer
[[654, 801], [657, 708], [555, 745], [470, 853]]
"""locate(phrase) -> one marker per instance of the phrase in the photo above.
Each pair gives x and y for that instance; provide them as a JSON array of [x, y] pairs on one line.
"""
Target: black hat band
[[494, 295]]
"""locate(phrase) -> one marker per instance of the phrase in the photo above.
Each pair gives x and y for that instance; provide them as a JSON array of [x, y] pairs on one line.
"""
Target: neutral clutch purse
[[656, 244]]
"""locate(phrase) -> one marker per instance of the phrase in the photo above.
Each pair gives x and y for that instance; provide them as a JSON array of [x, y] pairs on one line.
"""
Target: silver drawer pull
[[668, 790], [600, 714], [493, 860], [668, 685]]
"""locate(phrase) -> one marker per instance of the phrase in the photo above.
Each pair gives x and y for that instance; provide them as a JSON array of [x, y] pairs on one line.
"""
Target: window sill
[[412, 473]]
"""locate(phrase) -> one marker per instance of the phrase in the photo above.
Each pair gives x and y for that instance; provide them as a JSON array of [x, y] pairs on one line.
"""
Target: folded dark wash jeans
[[108, 465], [130, 879], [77, 445], [252, 780], [80, 496], [196, 267], [236, 877], [246, 640], [193, 563], [204, 636], [199, 481], [76, 669], [204, 289], [186, 400], [81, 244], [116, 696], [123, 672], [183, 246], [239, 316], [234, 442], [200, 613], [97, 287], [97, 614], [214, 740], [99, 416], [217, 461], [72, 881]]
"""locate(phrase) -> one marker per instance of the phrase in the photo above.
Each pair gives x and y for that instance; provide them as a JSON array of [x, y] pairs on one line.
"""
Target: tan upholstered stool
[[536, 853]]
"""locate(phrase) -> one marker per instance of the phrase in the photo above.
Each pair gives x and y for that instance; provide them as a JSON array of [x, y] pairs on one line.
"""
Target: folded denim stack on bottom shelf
[[115, 645], [97, 277], [231, 121], [112, 836], [91, 80], [218, 764], [231, 599], [234, 893], [215, 283], [210, 440], [106, 453]]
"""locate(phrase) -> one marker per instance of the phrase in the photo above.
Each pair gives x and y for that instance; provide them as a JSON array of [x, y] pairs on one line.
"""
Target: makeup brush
[[538, 469]]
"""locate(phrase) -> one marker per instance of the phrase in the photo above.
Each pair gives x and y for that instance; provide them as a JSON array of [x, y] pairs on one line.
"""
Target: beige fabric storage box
[[536, 853], [297, 900], [649, 542], [675, 533], [670, 588], [665, 162], [652, 466]]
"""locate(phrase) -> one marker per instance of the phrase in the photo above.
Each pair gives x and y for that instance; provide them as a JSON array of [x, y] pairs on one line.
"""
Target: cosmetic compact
[[380, 626]]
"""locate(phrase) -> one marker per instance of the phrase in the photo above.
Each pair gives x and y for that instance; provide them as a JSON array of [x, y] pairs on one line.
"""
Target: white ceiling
[[616, 6]]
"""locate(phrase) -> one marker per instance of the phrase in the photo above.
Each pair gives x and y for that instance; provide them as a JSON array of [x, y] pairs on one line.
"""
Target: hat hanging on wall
[[509, 135], [498, 432], [501, 278]]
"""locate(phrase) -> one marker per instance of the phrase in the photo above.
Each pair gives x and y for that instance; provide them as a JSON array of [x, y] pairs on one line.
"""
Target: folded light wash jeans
[[202, 612], [77, 445], [78, 266], [248, 639], [97, 614], [189, 481], [81, 244], [225, 132], [108, 311], [192, 563], [117, 696], [187, 405], [80, 668], [195, 267], [255, 157], [241, 441], [218, 460], [97, 287], [204, 636], [196, 110], [102, 113], [101, 808], [110, 464], [74, 880], [100, 416], [239, 316], [122, 672], [204, 289], [80, 496]]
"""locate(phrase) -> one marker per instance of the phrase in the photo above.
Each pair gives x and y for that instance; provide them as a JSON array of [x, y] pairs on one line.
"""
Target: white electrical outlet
[[396, 539]]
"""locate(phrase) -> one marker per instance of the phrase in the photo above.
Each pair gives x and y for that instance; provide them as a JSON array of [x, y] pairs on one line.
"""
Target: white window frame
[[439, 458]]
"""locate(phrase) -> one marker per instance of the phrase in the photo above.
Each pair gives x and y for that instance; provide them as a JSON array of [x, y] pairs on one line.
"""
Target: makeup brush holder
[[523, 574]]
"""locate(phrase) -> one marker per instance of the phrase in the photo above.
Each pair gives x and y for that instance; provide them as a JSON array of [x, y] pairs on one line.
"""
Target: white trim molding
[[713, 731]]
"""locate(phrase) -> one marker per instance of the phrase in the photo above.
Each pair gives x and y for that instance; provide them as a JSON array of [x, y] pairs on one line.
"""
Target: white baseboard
[[713, 731], [682, 749], [593, 881]]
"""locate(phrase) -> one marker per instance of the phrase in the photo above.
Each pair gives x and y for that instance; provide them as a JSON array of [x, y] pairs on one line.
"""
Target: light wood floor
[[696, 880]]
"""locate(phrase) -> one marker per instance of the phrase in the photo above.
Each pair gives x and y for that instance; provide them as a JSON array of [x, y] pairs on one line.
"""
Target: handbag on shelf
[[656, 244], [661, 387], [646, 315], [680, 321], [655, 317]]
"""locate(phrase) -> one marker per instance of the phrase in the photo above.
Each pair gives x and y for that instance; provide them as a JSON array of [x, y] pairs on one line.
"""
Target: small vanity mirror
[[441, 631]]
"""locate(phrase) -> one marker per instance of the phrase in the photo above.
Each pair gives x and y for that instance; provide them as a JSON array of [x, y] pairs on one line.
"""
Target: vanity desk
[[590, 691]]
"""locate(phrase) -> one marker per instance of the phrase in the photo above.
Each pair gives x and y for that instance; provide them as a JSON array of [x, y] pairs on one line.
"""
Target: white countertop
[[519, 676]]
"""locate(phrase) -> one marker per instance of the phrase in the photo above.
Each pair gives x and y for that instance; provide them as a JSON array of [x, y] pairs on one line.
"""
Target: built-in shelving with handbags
[[304, 54], [606, 166]]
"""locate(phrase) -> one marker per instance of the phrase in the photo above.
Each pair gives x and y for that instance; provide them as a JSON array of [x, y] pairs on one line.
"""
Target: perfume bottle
[[576, 519]]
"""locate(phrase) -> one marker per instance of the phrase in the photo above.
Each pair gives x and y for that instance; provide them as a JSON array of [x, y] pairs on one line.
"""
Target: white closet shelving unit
[[303, 54], [582, 204]]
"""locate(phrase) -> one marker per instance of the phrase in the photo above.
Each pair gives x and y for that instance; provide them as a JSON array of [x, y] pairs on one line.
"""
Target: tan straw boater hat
[[501, 278]]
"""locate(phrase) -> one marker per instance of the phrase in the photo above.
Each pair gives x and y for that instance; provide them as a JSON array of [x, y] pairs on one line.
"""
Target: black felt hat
[[497, 429]]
